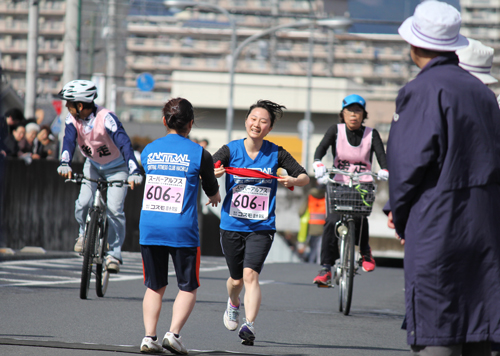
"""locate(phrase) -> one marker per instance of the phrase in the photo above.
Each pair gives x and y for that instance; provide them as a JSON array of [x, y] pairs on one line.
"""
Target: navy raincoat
[[444, 157]]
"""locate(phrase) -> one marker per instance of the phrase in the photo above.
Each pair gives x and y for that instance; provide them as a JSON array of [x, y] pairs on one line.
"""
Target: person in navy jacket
[[444, 157]]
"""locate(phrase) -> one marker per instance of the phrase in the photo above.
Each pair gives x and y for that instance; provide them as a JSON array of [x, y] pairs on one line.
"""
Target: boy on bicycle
[[352, 147], [109, 155]]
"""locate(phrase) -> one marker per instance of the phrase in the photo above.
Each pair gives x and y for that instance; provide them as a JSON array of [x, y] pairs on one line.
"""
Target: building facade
[[153, 38]]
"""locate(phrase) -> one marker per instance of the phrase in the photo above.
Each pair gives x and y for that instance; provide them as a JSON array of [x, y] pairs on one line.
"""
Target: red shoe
[[324, 277], [367, 261]]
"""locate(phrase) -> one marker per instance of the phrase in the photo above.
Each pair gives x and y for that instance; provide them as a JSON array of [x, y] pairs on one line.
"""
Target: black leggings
[[329, 244]]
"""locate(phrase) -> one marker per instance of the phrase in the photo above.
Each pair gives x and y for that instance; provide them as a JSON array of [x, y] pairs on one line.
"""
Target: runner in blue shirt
[[248, 213], [169, 221]]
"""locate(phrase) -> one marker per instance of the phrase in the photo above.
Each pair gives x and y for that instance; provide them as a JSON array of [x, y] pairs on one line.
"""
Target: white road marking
[[72, 268]]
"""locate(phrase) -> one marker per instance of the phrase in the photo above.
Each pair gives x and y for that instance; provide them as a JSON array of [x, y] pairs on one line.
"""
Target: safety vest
[[317, 210]]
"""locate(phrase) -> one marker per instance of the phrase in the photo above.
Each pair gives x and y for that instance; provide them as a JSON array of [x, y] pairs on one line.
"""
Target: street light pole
[[182, 3], [339, 22], [31, 67]]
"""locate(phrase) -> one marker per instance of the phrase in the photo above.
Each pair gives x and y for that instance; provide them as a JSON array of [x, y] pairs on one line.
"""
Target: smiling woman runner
[[247, 217], [169, 221]]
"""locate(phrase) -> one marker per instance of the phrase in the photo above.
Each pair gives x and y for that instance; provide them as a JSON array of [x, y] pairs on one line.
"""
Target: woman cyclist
[[248, 213], [352, 146]]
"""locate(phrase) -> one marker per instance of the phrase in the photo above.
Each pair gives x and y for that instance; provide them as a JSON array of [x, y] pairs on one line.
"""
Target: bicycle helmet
[[353, 99], [79, 90]]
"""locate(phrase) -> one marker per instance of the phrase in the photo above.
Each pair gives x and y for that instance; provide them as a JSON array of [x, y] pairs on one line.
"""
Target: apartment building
[[481, 21], [159, 40], [14, 39], [197, 39]]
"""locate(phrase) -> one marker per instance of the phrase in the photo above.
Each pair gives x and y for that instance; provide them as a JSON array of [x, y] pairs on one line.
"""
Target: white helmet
[[83, 91]]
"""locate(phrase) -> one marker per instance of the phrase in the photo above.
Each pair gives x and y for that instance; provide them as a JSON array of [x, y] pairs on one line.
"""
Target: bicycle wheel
[[101, 273], [89, 250], [348, 268], [340, 270]]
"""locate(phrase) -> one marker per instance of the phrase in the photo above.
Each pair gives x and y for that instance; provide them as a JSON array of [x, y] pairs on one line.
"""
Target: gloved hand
[[134, 179], [319, 169], [65, 170], [383, 174]]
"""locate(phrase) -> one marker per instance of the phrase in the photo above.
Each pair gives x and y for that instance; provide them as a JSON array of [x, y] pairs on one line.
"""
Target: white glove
[[383, 174], [319, 169], [135, 178], [64, 169]]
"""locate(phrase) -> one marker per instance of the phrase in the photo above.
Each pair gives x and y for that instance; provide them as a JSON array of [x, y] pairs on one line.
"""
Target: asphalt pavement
[[41, 313]]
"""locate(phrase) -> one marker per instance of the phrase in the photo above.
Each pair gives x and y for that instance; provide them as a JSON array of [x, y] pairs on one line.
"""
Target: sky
[[385, 10]]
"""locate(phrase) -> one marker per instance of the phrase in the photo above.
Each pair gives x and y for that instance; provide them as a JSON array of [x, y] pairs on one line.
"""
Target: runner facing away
[[248, 212], [169, 222]]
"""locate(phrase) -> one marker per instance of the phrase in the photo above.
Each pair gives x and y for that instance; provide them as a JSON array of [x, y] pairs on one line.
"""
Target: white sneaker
[[150, 346], [174, 344], [112, 264], [247, 333], [231, 316], [79, 244]]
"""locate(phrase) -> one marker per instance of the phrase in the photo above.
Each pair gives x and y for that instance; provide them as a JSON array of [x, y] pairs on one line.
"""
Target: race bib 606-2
[[163, 193], [250, 202]]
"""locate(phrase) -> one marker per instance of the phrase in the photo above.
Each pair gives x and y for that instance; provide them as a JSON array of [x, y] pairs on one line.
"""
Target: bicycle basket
[[357, 200]]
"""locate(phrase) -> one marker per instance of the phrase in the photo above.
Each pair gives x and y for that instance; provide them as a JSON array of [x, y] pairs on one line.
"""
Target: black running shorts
[[245, 250], [186, 262]]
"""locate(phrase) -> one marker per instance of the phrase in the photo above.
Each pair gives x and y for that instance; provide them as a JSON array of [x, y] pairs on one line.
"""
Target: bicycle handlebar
[[78, 178], [351, 175]]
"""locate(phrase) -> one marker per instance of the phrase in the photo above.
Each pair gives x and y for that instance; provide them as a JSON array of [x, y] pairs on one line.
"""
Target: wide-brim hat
[[477, 59], [435, 26]]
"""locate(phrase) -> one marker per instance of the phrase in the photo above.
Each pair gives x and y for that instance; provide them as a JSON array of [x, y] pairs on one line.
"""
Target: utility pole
[[307, 115], [31, 69], [71, 55], [111, 63]]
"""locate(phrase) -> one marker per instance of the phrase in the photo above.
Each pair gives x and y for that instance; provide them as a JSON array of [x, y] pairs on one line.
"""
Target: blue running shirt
[[250, 203], [169, 215]]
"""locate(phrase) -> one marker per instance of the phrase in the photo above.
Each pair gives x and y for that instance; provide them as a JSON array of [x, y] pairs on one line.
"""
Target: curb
[[33, 253]]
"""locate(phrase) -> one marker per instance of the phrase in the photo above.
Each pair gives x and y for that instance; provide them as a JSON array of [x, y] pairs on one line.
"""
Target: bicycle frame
[[95, 237], [346, 268]]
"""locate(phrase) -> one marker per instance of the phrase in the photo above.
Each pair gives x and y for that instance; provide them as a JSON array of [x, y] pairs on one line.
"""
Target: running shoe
[[231, 316], [112, 264], [79, 244], [367, 261], [324, 277], [150, 346], [247, 333], [174, 344]]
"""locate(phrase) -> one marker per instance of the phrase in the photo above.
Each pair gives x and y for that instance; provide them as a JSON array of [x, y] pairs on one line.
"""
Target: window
[[378, 69], [396, 68], [213, 62], [188, 42], [164, 59], [187, 61]]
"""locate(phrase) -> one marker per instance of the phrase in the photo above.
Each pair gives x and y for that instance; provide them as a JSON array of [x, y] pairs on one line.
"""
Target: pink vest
[[353, 158], [94, 141]]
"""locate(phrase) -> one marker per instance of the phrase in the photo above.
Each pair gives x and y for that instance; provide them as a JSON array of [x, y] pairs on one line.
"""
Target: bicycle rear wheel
[[89, 250], [347, 279], [101, 273]]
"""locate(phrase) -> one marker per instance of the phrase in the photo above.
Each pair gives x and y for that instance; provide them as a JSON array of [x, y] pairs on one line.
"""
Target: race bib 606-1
[[163, 193], [250, 202]]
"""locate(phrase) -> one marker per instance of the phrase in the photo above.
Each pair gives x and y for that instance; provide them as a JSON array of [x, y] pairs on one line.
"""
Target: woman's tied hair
[[275, 110], [178, 114]]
